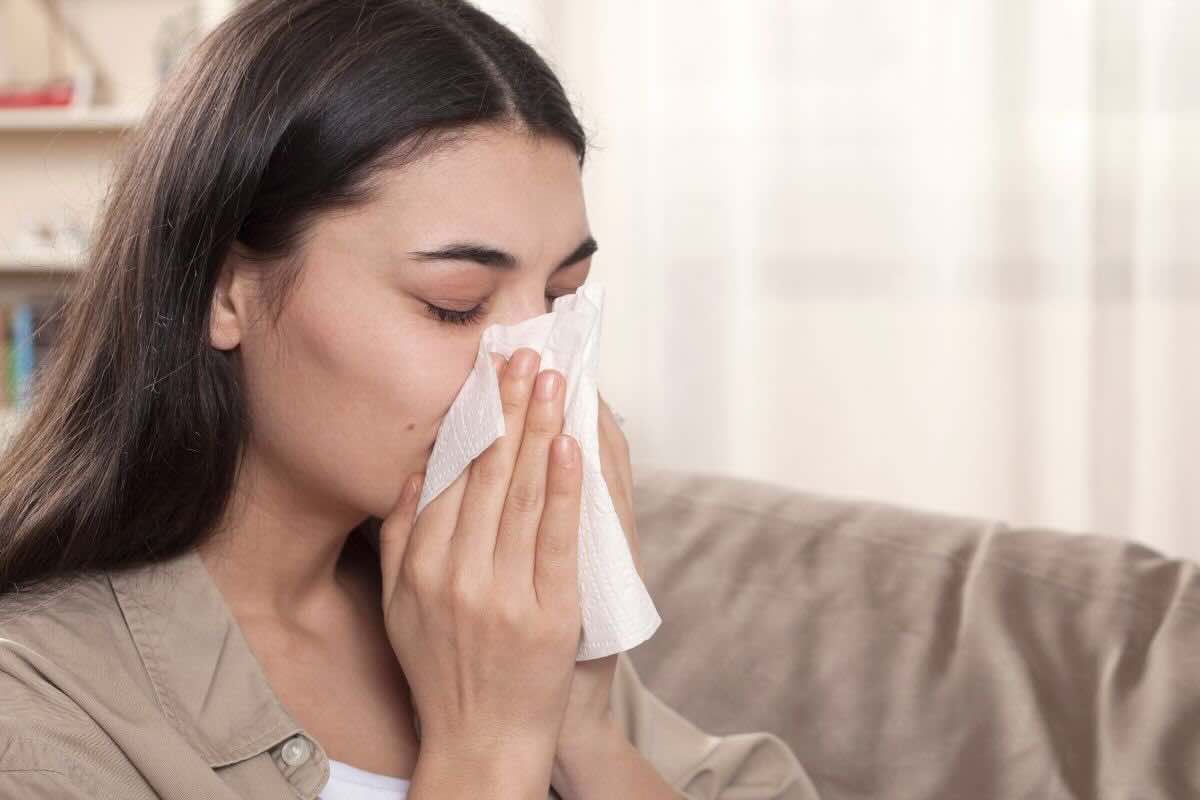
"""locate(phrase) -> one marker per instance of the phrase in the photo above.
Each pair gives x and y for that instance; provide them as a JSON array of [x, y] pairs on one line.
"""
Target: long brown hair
[[288, 109]]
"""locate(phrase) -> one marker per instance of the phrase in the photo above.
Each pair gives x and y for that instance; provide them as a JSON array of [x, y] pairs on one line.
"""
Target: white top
[[348, 782]]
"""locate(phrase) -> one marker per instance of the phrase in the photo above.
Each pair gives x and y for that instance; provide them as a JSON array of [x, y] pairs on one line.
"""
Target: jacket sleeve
[[745, 766], [35, 770], [38, 784]]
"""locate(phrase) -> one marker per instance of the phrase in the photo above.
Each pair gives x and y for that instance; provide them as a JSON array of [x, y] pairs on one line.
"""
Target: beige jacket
[[138, 684]]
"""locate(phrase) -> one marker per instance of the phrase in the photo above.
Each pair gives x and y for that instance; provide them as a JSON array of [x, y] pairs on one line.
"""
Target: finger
[[499, 362], [395, 531], [617, 472], [556, 570], [612, 434], [474, 542], [608, 421], [517, 535], [612, 473], [433, 529]]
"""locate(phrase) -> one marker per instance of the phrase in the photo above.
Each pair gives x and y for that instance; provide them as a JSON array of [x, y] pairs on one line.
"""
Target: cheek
[[355, 400], [406, 387]]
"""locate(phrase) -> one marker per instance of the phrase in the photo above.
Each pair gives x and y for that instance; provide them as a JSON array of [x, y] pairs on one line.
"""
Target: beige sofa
[[904, 653]]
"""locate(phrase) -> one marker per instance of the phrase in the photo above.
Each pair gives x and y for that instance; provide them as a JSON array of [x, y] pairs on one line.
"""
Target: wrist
[[581, 759], [497, 771]]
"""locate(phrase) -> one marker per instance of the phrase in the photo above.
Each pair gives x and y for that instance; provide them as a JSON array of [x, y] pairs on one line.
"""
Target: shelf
[[10, 419], [96, 118], [48, 261]]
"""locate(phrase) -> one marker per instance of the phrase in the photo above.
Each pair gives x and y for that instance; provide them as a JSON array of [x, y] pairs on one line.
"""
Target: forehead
[[494, 185]]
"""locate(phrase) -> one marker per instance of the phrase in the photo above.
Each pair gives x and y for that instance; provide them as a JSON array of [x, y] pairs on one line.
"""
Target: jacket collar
[[208, 681]]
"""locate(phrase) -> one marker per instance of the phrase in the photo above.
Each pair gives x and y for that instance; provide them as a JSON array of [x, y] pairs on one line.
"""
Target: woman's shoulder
[[71, 629], [66, 661], [69, 624]]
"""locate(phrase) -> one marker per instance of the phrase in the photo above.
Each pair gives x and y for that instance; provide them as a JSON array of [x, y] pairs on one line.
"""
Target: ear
[[230, 303]]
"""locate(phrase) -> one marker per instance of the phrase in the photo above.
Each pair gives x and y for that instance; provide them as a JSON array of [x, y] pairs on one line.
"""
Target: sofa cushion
[[903, 652]]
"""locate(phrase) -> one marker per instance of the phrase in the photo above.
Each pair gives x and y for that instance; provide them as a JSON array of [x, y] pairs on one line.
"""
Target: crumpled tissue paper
[[617, 611]]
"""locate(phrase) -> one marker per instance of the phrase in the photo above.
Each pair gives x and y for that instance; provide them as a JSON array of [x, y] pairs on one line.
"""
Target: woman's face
[[346, 397]]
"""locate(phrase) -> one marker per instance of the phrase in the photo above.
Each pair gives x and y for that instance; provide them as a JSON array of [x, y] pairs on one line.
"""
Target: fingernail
[[524, 361], [547, 384], [564, 451]]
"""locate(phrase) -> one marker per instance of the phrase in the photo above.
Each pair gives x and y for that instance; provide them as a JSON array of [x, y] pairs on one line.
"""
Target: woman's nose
[[515, 307]]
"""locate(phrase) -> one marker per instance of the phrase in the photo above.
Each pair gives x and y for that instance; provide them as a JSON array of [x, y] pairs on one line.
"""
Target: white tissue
[[617, 612]]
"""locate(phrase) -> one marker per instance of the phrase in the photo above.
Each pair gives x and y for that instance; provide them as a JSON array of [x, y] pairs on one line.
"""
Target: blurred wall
[[937, 252]]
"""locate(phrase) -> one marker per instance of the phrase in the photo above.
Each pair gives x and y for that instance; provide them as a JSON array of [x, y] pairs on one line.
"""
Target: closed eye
[[452, 317]]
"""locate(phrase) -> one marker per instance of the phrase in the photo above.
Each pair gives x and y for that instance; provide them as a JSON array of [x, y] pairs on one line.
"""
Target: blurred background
[[939, 253]]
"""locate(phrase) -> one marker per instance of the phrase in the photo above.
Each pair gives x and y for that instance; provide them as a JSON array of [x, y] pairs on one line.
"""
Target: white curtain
[[942, 253]]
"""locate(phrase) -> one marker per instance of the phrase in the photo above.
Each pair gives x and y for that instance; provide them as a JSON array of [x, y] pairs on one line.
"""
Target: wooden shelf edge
[[25, 263], [10, 420], [95, 118]]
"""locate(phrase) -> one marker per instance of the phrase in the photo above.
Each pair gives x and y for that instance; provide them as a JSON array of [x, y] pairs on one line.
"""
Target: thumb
[[499, 362]]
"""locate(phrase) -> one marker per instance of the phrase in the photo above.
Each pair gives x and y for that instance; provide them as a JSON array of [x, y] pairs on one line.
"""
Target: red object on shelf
[[55, 93]]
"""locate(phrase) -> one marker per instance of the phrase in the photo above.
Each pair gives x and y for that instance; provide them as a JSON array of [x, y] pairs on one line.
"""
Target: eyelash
[[452, 317]]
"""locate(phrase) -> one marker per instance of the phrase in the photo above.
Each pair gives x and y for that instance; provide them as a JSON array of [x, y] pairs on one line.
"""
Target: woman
[[214, 585]]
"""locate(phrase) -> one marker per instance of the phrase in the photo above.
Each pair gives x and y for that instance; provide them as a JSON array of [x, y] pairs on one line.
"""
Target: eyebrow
[[497, 259]]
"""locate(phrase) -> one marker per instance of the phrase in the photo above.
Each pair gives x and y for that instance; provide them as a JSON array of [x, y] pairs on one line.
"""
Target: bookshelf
[[31, 274], [58, 158]]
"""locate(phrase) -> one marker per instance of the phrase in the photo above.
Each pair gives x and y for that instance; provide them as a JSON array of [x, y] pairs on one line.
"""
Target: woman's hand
[[481, 600], [618, 475], [587, 720]]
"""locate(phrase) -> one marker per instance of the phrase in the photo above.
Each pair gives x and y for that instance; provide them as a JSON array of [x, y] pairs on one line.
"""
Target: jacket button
[[296, 750]]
